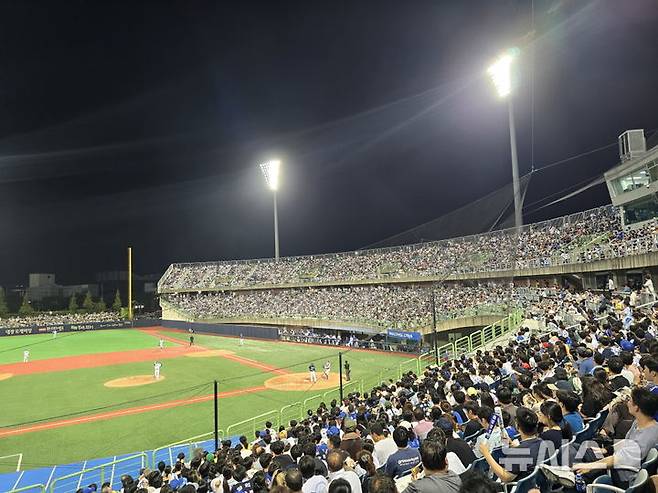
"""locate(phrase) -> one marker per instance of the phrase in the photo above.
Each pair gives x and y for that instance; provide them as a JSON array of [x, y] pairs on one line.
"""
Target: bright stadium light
[[270, 170], [501, 76]]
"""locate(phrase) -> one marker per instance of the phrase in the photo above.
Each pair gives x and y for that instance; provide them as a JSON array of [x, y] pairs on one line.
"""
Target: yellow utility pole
[[130, 283]]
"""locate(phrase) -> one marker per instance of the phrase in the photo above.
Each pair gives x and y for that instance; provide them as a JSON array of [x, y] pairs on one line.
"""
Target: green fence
[[99, 474], [33, 488], [187, 446], [249, 426], [290, 412]]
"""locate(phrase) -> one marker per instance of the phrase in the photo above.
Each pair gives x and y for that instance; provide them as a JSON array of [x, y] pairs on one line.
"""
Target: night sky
[[143, 123]]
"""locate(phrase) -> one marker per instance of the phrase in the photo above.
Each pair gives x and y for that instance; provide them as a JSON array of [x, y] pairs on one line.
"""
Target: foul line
[[126, 412]]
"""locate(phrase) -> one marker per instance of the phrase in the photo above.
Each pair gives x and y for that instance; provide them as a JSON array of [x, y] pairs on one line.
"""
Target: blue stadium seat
[[603, 484]]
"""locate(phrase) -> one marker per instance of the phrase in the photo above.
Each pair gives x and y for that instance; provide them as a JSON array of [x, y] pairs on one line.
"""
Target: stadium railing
[[170, 451], [33, 488], [110, 471]]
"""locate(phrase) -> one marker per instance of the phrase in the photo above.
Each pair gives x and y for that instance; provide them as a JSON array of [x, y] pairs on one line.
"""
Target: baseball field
[[93, 394]]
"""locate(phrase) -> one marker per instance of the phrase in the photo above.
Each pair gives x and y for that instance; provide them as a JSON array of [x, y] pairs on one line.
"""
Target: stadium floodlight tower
[[501, 75], [271, 171]]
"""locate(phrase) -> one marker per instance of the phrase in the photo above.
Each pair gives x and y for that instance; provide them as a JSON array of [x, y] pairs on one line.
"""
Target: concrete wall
[[259, 332]]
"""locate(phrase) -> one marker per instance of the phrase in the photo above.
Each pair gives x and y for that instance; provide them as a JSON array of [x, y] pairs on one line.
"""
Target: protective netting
[[491, 212]]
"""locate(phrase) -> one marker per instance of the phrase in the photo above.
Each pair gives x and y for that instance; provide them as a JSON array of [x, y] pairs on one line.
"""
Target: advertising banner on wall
[[78, 327], [404, 335]]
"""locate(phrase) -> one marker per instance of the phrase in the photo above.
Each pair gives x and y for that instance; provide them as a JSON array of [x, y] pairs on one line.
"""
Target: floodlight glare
[[501, 73], [271, 171]]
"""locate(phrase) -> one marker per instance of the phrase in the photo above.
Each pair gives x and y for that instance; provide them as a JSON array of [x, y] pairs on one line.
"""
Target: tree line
[[77, 304]]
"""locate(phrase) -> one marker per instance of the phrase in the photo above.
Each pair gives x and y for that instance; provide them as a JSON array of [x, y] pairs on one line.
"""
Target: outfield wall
[[254, 331], [78, 327]]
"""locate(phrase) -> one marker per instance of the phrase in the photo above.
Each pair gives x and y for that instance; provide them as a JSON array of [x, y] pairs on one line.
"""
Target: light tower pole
[[501, 76], [270, 170]]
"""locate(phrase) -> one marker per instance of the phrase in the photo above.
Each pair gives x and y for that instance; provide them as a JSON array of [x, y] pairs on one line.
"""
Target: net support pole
[[436, 344], [130, 283], [340, 375], [216, 418]]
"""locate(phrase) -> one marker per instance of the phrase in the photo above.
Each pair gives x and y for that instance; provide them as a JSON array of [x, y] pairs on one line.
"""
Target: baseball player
[[241, 340], [326, 369], [26, 356], [156, 370], [311, 371], [54, 334], [161, 343]]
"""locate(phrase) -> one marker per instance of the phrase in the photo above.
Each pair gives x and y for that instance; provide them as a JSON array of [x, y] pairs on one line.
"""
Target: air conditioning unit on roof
[[632, 144]]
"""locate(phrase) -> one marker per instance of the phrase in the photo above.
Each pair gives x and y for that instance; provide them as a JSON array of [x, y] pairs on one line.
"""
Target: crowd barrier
[[98, 474]]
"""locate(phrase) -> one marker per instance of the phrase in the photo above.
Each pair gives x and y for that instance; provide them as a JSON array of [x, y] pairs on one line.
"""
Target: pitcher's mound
[[209, 354], [134, 381], [302, 381], [5, 376]]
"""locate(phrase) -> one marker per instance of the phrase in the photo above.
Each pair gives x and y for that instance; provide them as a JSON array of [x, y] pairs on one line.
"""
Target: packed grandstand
[[576, 239], [512, 415]]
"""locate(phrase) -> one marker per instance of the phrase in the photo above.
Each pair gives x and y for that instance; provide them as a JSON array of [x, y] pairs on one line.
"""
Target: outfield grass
[[42, 346], [41, 398]]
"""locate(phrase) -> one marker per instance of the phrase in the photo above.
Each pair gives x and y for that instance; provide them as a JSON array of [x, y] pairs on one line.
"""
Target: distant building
[[633, 183], [42, 286]]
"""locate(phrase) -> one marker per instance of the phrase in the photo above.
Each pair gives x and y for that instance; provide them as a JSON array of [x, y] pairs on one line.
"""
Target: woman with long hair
[[365, 461], [596, 394], [555, 428]]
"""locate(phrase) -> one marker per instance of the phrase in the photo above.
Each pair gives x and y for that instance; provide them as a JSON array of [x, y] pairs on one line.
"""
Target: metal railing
[[33, 488], [248, 426], [187, 446], [98, 474]]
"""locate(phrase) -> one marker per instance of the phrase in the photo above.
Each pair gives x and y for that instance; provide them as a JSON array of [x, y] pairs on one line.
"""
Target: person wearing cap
[[351, 440], [405, 458]]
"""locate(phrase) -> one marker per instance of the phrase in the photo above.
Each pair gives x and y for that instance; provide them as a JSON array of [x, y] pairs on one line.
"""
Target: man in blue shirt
[[569, 402], [405, 458], [585, 362]]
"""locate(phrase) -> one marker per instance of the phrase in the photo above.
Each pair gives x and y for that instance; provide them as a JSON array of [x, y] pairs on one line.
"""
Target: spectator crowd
[[382, 305], [561, 408], [579, 238], [53, 319]]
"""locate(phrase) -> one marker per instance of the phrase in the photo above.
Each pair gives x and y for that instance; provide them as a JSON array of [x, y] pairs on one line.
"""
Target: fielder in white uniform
[[326, 369], [161, 343], [54, 334], [156, 369], [241, 340], [26, 356]]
